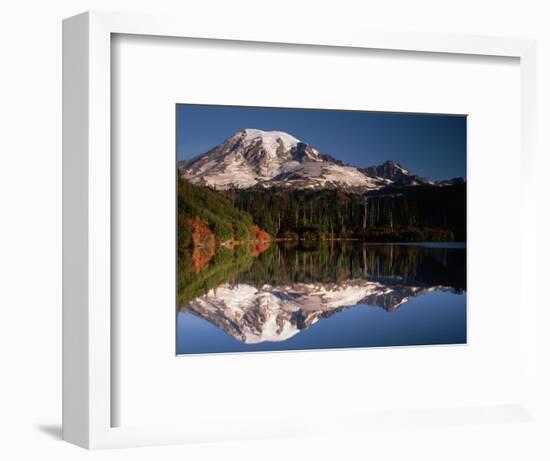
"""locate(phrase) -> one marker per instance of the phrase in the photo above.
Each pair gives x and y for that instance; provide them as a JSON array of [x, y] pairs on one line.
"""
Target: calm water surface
[[299, 295]]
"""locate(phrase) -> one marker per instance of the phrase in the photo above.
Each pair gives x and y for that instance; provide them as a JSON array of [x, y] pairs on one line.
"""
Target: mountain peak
[[393, 164], [248, 157], [390, 169], [269, 138]]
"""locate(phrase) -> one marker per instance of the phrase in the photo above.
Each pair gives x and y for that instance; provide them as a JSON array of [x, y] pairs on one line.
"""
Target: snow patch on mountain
[[271, 140], [321, 175]]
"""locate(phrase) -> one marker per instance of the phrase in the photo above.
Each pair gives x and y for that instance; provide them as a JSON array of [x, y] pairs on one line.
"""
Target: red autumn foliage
[[204, 243], [202, 235], [201, 257], [258, 234], [258, 249]]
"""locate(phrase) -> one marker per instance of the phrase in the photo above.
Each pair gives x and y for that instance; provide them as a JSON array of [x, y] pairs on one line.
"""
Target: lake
[[321, 295]]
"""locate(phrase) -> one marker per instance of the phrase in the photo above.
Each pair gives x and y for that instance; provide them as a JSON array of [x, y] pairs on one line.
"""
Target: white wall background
[[30, 223]]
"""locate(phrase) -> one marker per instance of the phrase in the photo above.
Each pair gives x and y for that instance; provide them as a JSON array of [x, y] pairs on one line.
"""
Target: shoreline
[[231, 244]]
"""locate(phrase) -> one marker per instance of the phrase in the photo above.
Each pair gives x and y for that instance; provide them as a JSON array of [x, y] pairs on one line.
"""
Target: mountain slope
[[206, 217], [244, 159]]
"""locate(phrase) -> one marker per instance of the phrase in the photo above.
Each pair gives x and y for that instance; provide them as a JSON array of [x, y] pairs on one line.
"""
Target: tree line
[[436, 213]]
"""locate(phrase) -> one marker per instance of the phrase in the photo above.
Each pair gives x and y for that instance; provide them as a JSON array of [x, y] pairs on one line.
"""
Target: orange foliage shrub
[[258, 234], [204, 243]]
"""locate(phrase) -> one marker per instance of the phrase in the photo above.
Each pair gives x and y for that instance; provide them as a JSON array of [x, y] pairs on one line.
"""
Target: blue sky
[[433, 146]]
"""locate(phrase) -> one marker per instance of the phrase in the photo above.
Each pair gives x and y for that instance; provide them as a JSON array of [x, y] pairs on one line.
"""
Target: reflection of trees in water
[[223, 267], [286, 263], [303, 262]]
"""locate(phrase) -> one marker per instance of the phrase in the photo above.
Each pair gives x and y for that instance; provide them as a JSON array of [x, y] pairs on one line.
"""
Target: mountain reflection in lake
[[321, 295]]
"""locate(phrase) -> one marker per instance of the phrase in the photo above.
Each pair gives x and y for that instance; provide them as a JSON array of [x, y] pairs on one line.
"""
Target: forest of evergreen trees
[[405, 214], [416, 213]]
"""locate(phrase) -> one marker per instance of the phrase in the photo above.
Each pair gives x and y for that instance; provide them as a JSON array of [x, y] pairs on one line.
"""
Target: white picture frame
[[87, 182]]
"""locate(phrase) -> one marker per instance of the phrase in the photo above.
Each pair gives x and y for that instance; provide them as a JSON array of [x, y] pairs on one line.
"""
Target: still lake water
[[300, 295]]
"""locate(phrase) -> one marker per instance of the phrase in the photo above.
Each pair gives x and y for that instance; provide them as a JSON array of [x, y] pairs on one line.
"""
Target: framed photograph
[[276, 237], [303, 213]]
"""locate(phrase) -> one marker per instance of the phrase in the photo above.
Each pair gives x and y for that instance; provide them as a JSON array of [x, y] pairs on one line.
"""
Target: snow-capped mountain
[[275, 313], [275, 159], [271, 159]]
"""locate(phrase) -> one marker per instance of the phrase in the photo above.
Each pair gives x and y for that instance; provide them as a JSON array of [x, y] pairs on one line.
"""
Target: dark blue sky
[[433, 146]]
